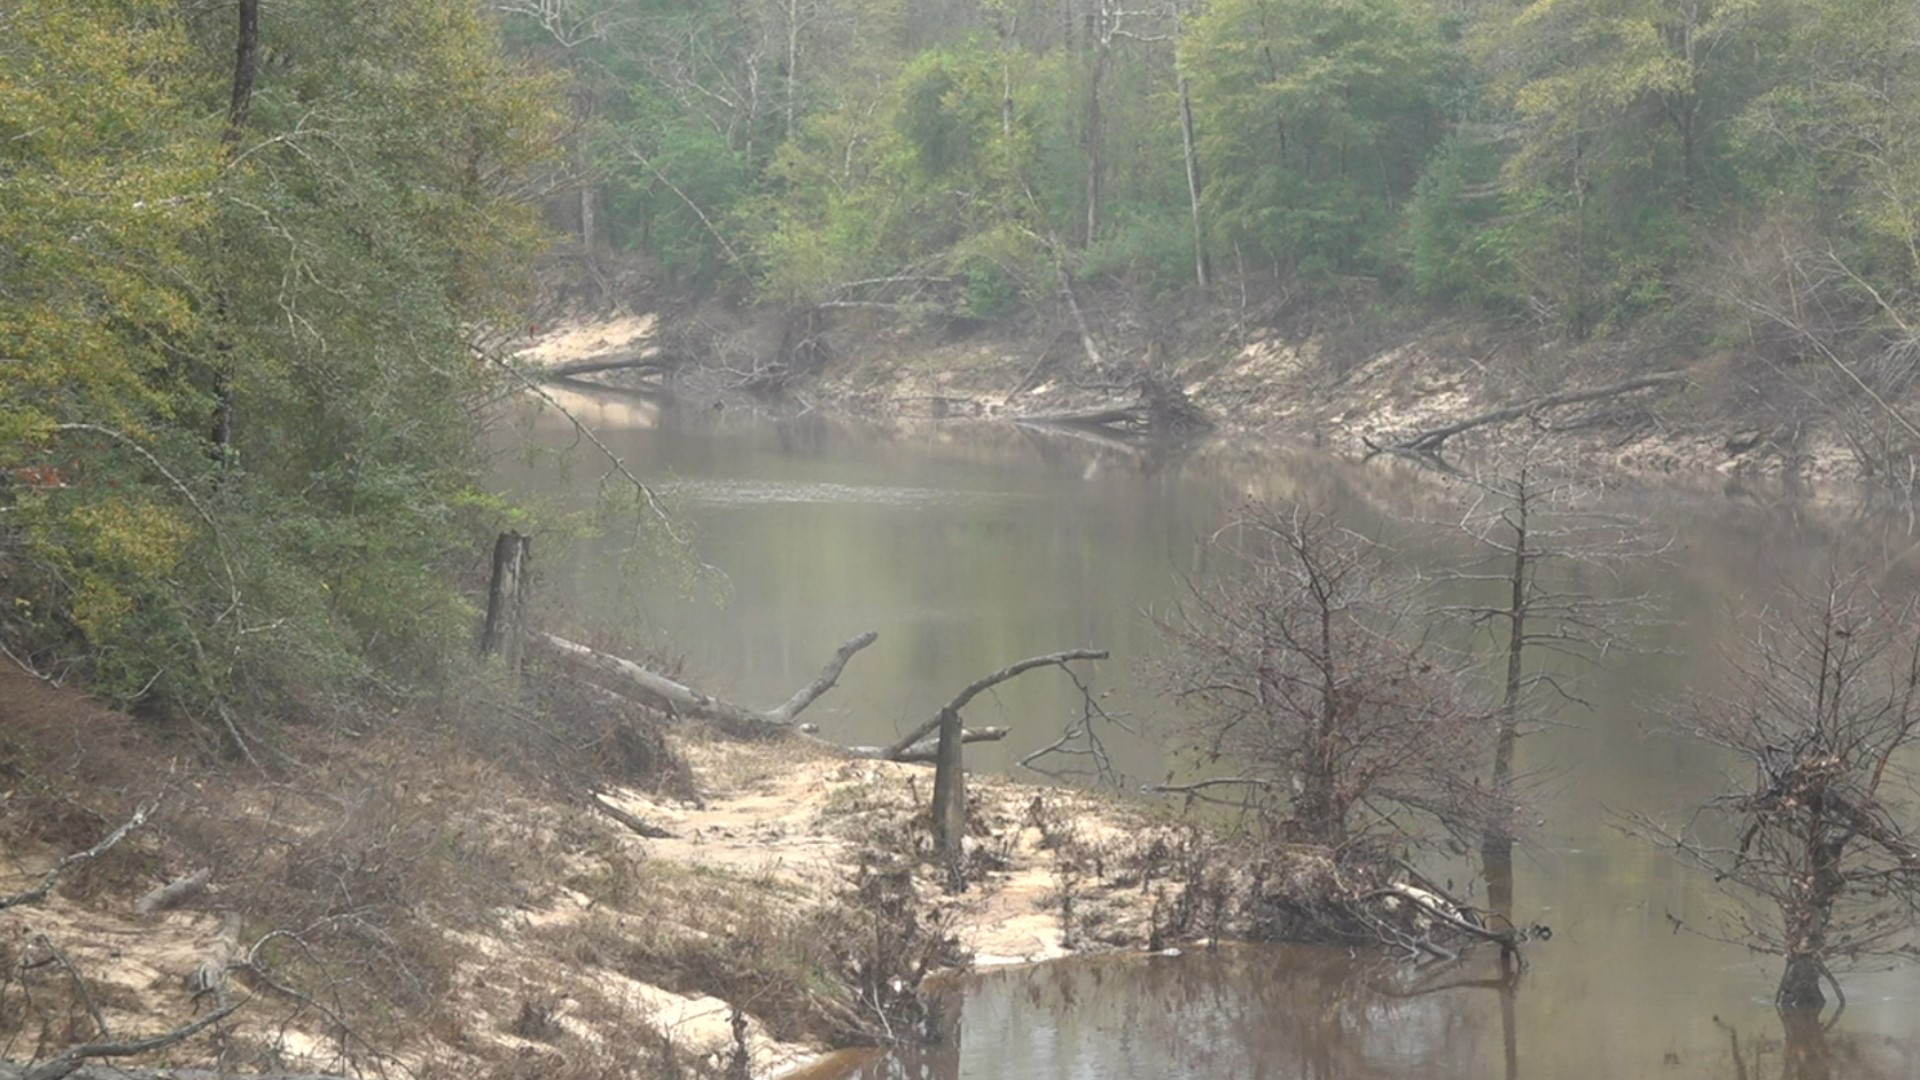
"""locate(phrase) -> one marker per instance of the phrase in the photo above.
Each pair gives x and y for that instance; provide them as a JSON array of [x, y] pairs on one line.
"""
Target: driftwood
[[1427, 443], [52, 877], [631, 821], [174, 892], [68, 1062], [980, 686], [209, 976], [677, 699], [1160, 410]]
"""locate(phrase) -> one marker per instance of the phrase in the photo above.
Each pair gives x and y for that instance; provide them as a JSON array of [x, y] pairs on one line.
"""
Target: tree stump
[[949, 787], [503, 634]]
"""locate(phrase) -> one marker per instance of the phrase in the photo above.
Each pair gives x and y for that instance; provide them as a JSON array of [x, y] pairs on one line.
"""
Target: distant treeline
[[1582, 164]]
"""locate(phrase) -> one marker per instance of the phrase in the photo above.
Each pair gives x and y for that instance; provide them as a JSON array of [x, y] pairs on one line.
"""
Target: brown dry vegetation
[[436, 896]]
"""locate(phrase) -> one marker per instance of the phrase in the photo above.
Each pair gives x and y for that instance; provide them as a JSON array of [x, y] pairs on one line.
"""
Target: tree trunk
[[1800, 985], [1807, 912], [793, 62], [1201, 271], [1496, 842], [589, 205], [503, 633], [1095, 161], [949, 787], [1006, 74], [246, 65], [1318, 807]]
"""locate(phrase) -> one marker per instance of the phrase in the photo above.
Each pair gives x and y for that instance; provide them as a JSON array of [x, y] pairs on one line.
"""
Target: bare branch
[[69, 1060], [52, 877], [980, 686]]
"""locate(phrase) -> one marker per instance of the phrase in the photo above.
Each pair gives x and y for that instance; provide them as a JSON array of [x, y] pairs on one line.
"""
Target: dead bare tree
[[1819, 836], [1546, 588], [1300, 673], [1807, 310]]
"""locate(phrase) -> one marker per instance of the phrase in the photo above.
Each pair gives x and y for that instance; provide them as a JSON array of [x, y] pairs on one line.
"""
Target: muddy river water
[[970, 547]]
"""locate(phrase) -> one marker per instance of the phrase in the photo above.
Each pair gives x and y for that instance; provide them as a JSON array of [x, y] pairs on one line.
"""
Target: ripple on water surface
[[727, 492]]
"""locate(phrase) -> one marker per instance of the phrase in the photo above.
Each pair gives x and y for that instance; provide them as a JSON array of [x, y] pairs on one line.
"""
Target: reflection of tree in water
[[1313, 1014], [1297, 1012], [1806, 1049]]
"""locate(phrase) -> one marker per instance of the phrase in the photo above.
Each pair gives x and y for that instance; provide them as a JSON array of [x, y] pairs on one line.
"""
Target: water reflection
[[1323, 1014], [968, 548]]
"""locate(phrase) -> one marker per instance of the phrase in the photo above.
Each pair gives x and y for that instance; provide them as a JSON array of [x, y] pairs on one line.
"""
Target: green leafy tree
[[1620, 110], [309, 269], [107, 175], [1314, 118]]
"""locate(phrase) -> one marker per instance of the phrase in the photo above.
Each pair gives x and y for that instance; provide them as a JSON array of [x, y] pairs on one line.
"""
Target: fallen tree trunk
[[1161, 410], [650, 688], [1427, 443], [576, 368], [631, 821], [654, 392], [174, 892], [1132, 418], [676, 699], [980, 686]]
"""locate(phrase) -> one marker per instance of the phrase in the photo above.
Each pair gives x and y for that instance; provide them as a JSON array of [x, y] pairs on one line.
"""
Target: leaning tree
[[1817, 831]]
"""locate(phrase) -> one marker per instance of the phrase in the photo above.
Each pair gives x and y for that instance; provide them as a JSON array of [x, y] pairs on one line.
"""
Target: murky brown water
[[968, 548]]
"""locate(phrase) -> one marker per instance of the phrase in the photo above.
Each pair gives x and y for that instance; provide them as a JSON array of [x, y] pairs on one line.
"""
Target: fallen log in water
[[576, 368], [638, 683]]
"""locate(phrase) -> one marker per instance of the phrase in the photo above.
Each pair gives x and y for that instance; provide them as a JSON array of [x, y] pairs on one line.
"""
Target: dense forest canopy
[[1587, 163]]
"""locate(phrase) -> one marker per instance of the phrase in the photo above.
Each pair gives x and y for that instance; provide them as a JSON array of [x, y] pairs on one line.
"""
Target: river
[[967, 547]]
